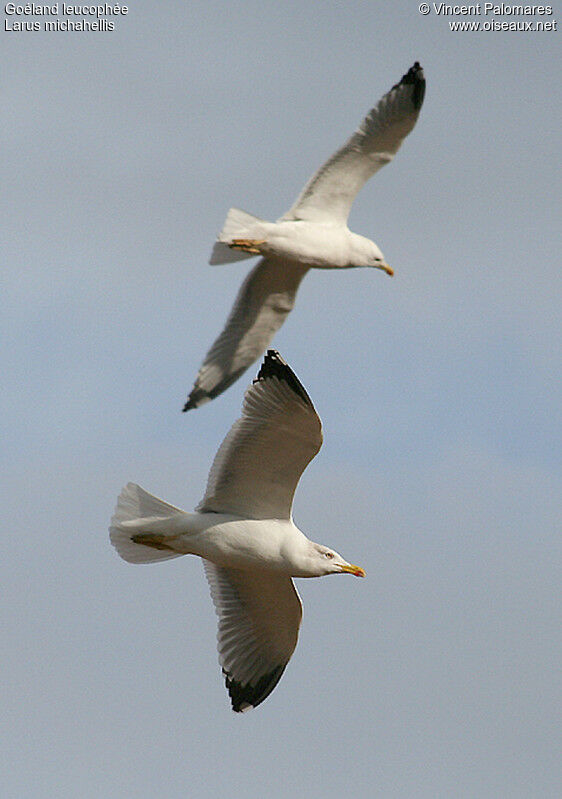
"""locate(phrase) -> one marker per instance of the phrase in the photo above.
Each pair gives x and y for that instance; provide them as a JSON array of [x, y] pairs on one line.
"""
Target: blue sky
[[438, 675]]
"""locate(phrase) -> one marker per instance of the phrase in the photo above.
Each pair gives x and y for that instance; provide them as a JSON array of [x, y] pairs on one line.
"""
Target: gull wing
[[259, 463], [265, 298], [259, 618], [330, 192]]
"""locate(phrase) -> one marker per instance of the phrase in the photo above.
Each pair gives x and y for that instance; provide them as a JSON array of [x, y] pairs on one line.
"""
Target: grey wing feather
[[259, 618], [258, 465], [330, 192], [264, 300]]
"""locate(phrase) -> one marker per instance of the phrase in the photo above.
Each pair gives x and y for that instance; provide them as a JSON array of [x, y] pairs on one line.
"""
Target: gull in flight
[[312, 234], [244, 531]]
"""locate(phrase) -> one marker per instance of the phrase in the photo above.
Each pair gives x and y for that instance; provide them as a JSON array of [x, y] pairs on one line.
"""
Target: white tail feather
[[223, 254], [236, 226], [137, 505]]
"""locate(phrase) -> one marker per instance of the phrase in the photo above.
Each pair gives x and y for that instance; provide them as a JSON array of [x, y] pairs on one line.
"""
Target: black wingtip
[[245, 697], [197, 398], [194, 400], [274, 366], [414, 77]]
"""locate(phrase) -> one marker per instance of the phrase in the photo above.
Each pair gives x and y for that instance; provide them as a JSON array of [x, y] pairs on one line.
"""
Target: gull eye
[[329, 555]]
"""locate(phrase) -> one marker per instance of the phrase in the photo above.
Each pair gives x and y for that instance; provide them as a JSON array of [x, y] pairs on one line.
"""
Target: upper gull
[[312, 234]]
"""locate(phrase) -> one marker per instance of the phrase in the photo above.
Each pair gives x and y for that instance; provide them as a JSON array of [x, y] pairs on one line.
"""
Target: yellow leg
[[247, 245], [154, 540]]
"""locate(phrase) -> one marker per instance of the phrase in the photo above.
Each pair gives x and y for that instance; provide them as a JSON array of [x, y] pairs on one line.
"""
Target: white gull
[[244, 531], [312, 234]]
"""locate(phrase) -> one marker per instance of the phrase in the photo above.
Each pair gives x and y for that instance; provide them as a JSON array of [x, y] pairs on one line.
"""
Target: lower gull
[[244, 531]]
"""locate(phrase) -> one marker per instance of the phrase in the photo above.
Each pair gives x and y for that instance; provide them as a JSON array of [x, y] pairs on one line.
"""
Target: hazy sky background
[[438, 675]]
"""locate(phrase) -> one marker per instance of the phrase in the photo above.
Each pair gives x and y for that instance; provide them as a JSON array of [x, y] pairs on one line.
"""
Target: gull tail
[[236, 226], [136, 517]]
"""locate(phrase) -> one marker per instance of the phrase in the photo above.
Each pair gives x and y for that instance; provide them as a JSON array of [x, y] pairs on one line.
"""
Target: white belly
[[320, 246], [239, 543]]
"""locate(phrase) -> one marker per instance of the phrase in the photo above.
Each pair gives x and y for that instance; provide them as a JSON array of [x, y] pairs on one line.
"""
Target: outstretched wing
[[265, 298], [259, 463], [330, 192], [259, 618]]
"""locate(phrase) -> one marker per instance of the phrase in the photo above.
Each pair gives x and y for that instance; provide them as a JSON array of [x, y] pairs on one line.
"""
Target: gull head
[[364, 252], [323, 560]]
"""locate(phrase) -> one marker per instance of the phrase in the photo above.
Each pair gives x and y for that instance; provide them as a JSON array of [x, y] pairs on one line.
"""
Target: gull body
[[229, 540], [244, 532], [319, 245], [312, 234]]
